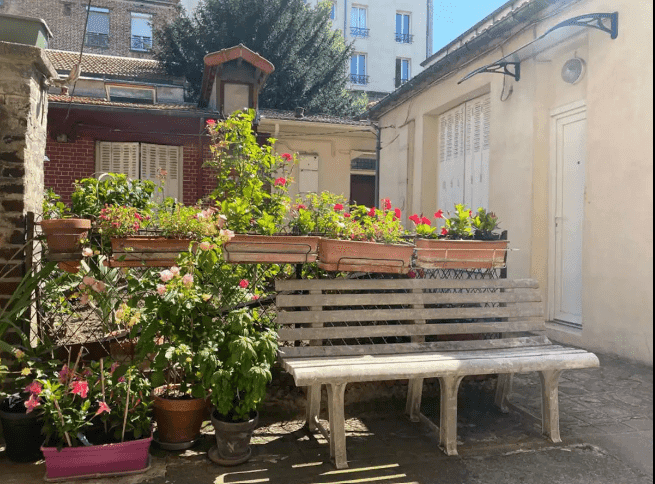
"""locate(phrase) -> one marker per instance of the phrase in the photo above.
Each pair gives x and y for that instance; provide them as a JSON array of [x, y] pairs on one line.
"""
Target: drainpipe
[[378, 148], [345, 19]]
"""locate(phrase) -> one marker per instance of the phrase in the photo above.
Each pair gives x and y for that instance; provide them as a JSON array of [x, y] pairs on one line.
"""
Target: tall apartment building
[[114, 27], [391, 39]]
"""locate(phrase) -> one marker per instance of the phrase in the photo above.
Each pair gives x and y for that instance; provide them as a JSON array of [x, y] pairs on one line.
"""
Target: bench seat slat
[[524, 310], [400, 348], [517, 296], [379, 370], [397, 284], [345, 332]]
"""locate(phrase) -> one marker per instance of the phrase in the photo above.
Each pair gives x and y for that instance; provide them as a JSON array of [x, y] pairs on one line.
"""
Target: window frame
[[399, 81], [141, 15], [153, 89], [358, 78], [97, 39], [403, 37], [358, 30]]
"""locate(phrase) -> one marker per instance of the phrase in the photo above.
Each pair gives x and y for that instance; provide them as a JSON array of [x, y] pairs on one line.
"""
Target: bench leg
[[448, 420], [414, 394], [337, 425], [313, 405], [503, 389], [550, 404]]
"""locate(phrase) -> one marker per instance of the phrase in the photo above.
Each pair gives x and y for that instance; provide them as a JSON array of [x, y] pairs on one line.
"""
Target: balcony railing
[[93, 39], [360, 79], [141, 43], [359, 32], [404, 38]]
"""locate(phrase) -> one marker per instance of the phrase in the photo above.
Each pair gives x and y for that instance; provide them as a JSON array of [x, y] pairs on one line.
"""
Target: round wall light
[[573, 70]]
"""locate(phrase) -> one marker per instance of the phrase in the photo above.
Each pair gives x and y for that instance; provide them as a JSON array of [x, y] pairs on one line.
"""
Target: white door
[[570, 146]]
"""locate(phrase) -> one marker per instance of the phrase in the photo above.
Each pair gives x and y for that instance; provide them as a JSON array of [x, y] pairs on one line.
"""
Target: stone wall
[[24, 71]]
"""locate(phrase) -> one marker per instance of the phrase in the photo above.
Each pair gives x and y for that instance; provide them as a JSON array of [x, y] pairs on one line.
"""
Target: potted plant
[[97, 422], [367, 240], [64, 233], [252, 190], [466, 241], [247, 348]]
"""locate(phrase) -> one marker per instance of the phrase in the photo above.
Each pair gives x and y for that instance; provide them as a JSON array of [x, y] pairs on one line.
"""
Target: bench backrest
[[384, 311]]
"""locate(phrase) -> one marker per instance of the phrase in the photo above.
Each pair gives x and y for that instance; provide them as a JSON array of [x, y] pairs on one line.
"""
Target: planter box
[[97, 460], [347, 255], [274, 249], [460, 254], [142, 250]]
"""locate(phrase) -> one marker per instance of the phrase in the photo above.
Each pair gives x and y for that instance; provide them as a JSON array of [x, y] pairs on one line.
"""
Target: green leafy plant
[[460, 224], [53, 207], [423, 226], [372, 224], [189, 222], [120, 221], [321, 213], [484, 224]]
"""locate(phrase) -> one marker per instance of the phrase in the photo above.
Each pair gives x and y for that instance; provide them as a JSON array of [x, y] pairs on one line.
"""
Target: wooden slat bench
[[343, 330]]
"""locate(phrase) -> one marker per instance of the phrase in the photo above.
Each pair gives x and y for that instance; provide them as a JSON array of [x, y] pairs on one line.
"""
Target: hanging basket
[[460, 254], [271, 249], [348, 255], [142, 250]]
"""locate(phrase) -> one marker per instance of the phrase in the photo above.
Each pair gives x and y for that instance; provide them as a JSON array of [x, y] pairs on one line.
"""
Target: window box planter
[[273, 249], [348, 255], [143, 250], [95, 461], [460, 254]]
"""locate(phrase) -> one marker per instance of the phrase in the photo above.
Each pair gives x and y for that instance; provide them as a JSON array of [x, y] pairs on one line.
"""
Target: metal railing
[[141, 43], [94, 39], [360, 79], [404, 38], [359, 32]]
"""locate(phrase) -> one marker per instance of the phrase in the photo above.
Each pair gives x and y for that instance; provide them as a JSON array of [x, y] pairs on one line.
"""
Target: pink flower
[[113, 367], [387, 204], [102, 408], [175, 270], [397, 213], [280, 181], [338, 207], [444, 231], [205, 246], [63, 373], [211, 122], [254, 297], [80, 388], [166, 275], [161, 289], [32, 403], [470, 213], [244, 283], [439, 214], [187, 280], [228, 234], [287, 157], [34, 388], [121, 379], [86, 252]]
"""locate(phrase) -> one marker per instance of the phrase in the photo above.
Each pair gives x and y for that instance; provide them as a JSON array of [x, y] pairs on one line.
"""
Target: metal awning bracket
[[593, 20], [500, 67]]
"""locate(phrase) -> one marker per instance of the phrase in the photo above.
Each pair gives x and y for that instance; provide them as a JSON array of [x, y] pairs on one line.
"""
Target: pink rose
[[161, 289], [243, 283], [166, 275], [280, 181], [205, 246], [175, 270], [87, 252], [187, 280], [287, 157]]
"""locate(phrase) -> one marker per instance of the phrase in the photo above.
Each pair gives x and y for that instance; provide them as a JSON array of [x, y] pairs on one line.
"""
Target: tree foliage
[[310, 58]]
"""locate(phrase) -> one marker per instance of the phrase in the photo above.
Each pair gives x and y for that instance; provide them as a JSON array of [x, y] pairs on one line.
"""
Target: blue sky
[[454, 17]]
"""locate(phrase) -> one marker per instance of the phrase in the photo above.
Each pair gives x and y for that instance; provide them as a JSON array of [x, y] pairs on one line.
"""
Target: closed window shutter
[[155, 159], [308, 178], [477, 152], [451, 158], [118, 158]]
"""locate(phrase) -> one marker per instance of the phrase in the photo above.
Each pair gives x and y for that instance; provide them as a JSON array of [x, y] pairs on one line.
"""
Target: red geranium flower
[[444, 231], [287, 157], [371, 212], [387, 204], [426, 221], [415, 218], [338, 207], [280, 181], [301, 206], [211, 122], [80, 388], [439, 214], [244, 283], [397, 213], [347, 215]]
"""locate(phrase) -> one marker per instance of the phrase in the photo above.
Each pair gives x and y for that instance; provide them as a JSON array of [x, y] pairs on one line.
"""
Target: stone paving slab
[[606, 426]]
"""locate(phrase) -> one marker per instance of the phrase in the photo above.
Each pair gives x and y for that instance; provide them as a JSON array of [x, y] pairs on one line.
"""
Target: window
[[358, 22], [308, 174], [402, 29], [97, 28], [141, 32], [358, 69], [333, 11], [402, 71], [143, 161], [131, 94]]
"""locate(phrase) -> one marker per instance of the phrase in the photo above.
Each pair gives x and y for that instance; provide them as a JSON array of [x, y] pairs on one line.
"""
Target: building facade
[[114, 27], [391, 40], [542, 113]]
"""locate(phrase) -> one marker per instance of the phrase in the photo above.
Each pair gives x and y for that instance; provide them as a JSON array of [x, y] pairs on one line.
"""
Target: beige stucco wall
[[335, 145], [617, 231]]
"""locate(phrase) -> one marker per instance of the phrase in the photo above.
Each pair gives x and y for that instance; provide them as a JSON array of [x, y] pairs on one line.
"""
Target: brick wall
[[23, 117], [66, 20]]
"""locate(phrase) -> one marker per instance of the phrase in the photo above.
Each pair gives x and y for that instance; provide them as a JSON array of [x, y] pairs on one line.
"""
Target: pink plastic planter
[[96, 460]]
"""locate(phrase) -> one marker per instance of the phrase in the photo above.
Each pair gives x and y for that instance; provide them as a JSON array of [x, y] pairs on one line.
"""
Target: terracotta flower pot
[[97, 460], [273, 249], [347, 255], [460, 254], [141, 250], [64, 235], [232, 440], [178, 420]]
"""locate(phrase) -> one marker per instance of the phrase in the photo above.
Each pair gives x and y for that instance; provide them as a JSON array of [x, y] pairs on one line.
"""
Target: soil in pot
[[22, 432], [178, 418], [232, 439]]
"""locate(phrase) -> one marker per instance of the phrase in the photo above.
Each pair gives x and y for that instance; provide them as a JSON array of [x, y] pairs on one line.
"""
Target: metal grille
[[363, 164], [93, 39], [404, 38], [359, 79], [359, 32], [141, 43]]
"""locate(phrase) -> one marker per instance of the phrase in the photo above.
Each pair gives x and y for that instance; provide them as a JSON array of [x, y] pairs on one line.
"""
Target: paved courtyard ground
[[606, 426]]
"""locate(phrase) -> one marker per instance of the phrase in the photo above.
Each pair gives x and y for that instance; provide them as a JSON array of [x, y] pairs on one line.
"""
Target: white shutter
[[118, 158], [476, 192], [308, 174], [451, 159], [158, 158]]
